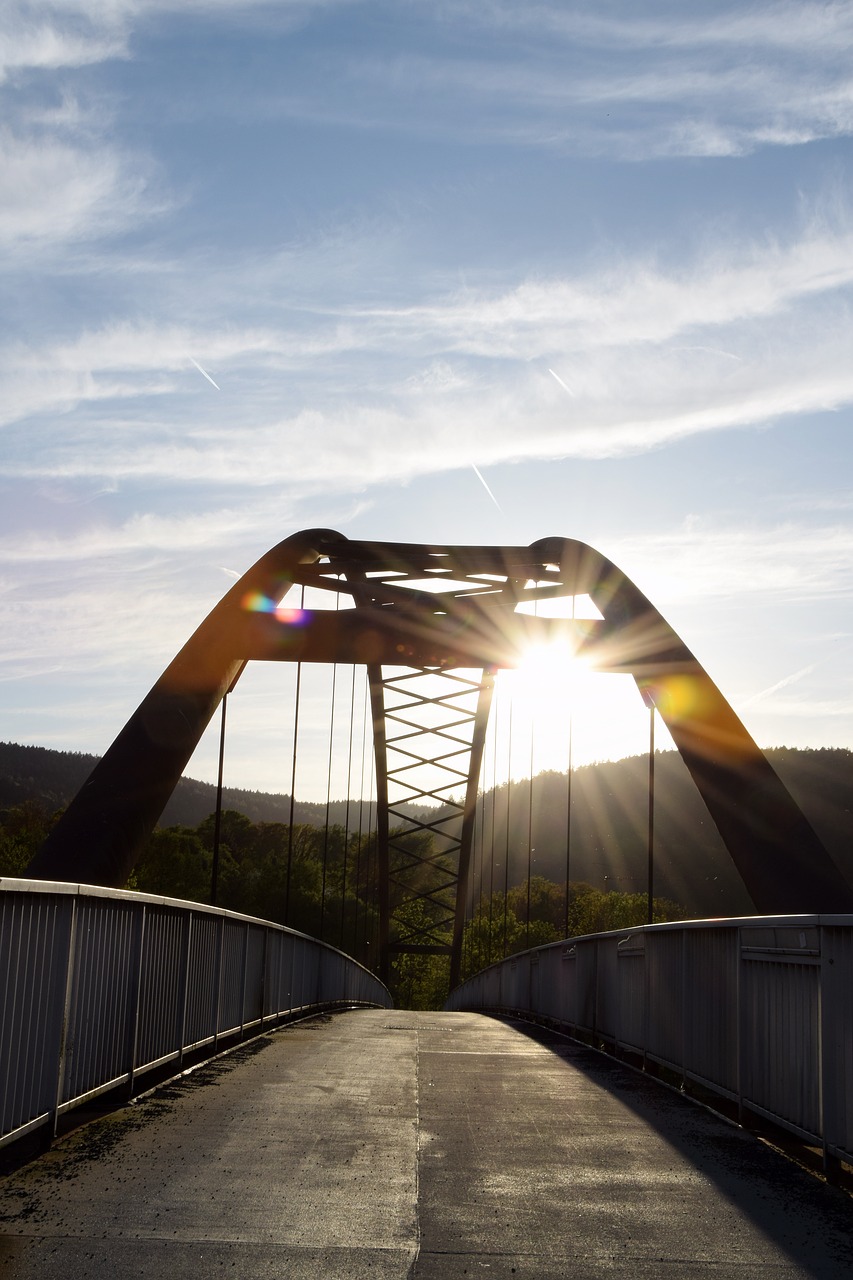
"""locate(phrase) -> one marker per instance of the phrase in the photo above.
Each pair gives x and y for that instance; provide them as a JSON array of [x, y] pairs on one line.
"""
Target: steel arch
[[441, 609]]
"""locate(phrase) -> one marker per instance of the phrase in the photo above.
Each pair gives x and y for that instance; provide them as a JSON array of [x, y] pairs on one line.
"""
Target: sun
[[548, 670], [554, 711]]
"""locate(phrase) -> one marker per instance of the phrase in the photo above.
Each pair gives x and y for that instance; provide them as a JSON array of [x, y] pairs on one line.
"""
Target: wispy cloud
[[630, 83], [43, 45], [709, 560], [740, 336], [54, 191]]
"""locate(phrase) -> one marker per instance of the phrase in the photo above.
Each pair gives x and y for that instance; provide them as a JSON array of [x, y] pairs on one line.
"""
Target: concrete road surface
[[382, 1144]]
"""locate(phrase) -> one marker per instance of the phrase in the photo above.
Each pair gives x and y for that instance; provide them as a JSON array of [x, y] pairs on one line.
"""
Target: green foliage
[[500, 927], [175, 864], [594, 911], [419, 981], [23, 830]]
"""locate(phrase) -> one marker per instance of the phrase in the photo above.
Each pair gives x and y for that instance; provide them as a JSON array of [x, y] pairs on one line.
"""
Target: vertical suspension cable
[[469, 935], [651, 888], [217, 820], [529, 837], [493, 833], [360, 892], [329, 787], [569, 827], [569, 772], [346, 812], [375, 843], [482, 833], [508, 794], [476, 893], [530, 816], [293, 779]]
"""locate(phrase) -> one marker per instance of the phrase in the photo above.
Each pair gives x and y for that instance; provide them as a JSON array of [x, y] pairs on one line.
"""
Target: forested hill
[[51, 779], [609, 819], [609, 831]]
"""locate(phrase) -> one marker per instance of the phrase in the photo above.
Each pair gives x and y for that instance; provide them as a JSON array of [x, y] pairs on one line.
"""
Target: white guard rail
[[757, 1010], [101, 986]]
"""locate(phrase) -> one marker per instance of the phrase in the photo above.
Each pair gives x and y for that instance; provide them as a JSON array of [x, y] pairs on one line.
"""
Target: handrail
[[102, 986], [756, 1010]]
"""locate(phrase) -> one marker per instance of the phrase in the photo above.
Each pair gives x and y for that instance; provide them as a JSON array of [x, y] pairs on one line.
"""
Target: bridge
[[493, 1134]]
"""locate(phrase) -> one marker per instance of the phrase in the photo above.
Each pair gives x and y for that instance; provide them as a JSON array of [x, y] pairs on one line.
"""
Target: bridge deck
[[388, 1144]]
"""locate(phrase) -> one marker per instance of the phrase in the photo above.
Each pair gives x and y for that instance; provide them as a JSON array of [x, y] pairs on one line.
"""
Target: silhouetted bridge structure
[[392, 1143]]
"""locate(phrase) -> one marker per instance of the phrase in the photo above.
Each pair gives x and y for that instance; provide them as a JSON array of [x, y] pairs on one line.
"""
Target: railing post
[[739, 1018], [828, 1083], [647, 1017], [243, 977], [683, 1009], [595, 947], [217, 995], [185, 988]]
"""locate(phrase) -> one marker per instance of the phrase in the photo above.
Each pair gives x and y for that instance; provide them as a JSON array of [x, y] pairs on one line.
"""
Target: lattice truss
[[430, 720]]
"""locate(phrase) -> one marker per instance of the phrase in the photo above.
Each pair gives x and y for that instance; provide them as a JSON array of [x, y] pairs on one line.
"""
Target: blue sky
[[379, 227]]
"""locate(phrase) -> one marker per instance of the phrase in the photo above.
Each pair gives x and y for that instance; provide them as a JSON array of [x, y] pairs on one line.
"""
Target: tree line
[[608, 845], [323, 881]]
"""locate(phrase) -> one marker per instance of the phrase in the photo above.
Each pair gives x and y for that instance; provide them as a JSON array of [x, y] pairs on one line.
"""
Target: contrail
[[562, 384], [210, 380], [780, 684], [479, 476]]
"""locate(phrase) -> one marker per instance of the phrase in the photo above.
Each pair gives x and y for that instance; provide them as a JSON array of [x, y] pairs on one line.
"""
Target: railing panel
[[162, 986], [586, 979], [665, 996], [780, 1029], [253, 1001], [99, 1029], [551, 994], [607, 988], [34, 943], [231, 988], [631, 979], [711, 981], [202, 976], [100, 985], [837, 1038]]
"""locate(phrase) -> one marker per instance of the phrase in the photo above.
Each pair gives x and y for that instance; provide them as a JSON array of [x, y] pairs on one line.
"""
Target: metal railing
[[100, 987], [757, 1010]]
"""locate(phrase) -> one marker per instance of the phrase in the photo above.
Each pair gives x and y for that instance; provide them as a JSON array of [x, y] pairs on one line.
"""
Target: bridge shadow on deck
[[810, 1221]]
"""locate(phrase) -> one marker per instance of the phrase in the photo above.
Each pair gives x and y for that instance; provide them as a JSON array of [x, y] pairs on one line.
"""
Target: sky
[[466, 272]]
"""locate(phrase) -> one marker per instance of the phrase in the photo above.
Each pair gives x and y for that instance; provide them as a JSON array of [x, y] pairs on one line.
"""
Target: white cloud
[[138, 533], [625, 84], [348, 395], [44, 47], [632, 83], [53, 191], [707, 560], [776, 25]]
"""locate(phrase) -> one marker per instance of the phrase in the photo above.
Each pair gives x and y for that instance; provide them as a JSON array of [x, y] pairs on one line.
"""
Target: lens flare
[[255, 602]]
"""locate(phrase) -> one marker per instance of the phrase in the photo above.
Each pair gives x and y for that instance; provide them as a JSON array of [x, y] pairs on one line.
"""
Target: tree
[[175, 864], [23, 830]]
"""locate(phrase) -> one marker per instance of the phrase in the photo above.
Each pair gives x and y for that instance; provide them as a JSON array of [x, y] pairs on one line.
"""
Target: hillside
[[609, 819], [51, 779]]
